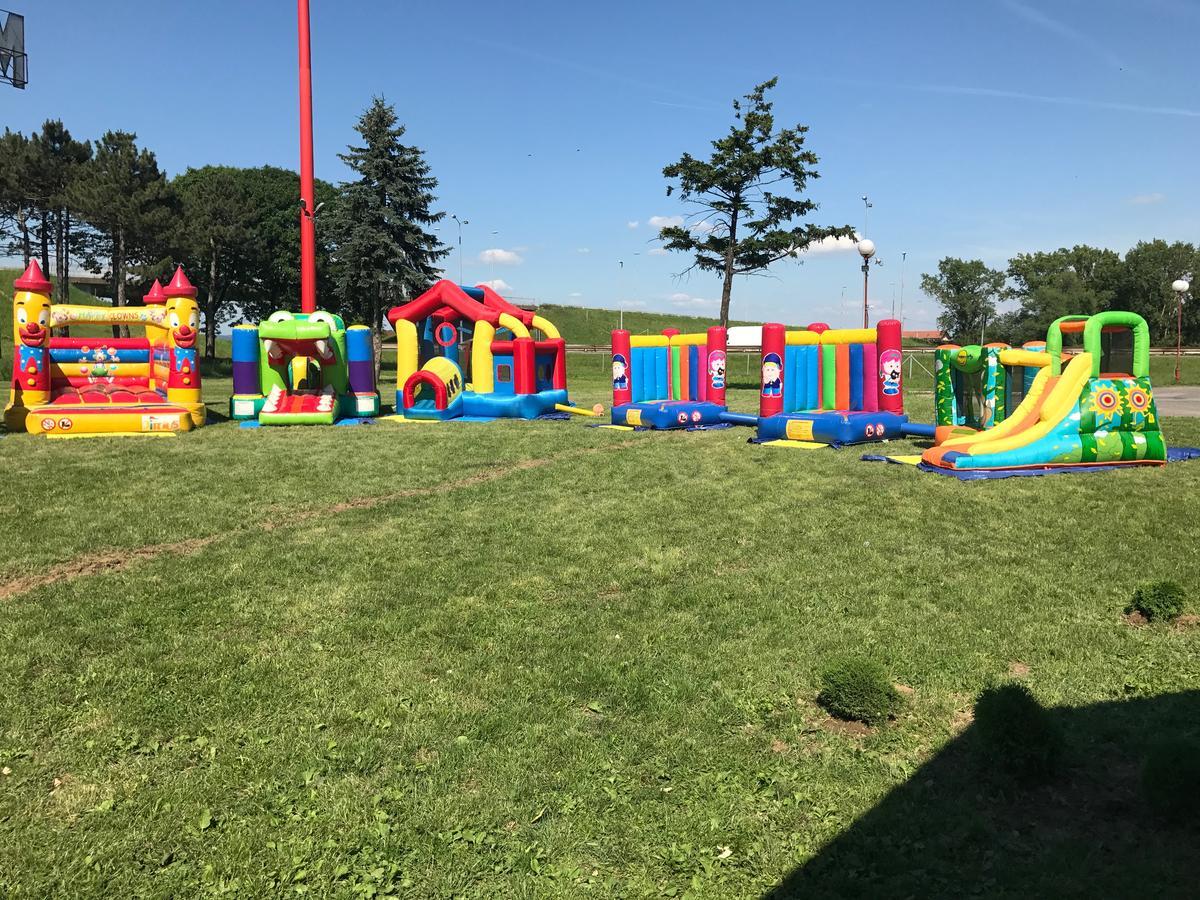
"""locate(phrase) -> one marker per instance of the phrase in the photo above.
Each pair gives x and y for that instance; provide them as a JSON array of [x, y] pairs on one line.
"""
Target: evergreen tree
[[16, 207], [125, 197], [384, 254], [745, 218], [58, 161]]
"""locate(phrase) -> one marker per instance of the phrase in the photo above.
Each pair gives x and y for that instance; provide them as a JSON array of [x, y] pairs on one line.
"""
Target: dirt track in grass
[[110, 561]]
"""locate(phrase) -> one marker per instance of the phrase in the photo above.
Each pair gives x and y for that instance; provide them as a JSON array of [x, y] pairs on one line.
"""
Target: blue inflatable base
[[836, 427], [1174, 454], [666, 414]]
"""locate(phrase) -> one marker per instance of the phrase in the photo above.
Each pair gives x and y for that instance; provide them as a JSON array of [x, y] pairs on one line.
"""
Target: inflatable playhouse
[[303, 369], [466, 352], [977, 386], [1095, 410], [67, 386], [670, 380]]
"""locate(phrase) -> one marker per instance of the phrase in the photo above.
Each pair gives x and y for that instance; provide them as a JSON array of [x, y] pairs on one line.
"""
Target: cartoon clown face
[[889, 371], [716, 368], [620, 372], [183, 318], [31, 312]]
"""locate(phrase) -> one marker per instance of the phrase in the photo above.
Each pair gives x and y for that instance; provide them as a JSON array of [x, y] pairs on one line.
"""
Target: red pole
[[308, 233]]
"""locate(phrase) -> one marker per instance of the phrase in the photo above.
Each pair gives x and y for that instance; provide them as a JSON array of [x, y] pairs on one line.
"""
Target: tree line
[[1079, 280], [106, 207]]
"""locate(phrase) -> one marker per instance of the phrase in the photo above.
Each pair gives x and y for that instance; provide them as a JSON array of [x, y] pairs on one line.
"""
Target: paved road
[[1177, 400]]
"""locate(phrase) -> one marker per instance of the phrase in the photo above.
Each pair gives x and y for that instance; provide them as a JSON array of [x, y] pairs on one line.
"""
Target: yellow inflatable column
[[406, 352], [183, 324], [31, 340]]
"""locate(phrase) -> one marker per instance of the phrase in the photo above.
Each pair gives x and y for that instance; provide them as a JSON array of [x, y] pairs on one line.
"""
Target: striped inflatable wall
[[670, 366], [854, 369]]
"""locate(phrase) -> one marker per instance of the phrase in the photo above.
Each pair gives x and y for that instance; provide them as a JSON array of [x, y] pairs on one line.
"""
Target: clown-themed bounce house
[[832, 386], [65, 386], [303, 369], [467, 352], [1096, 410], [977, 386], [670, 380]]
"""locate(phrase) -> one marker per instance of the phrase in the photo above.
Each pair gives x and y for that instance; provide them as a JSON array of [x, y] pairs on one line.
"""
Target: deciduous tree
[[968, 291]]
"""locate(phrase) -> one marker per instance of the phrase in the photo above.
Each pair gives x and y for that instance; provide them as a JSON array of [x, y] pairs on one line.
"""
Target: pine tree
[[384, 254], [746, 218], [16, 206], [58, 161], [123, 195]]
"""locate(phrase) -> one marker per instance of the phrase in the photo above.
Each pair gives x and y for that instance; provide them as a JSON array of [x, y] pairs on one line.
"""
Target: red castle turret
[[180, 286], [33, 280], [155, 296]]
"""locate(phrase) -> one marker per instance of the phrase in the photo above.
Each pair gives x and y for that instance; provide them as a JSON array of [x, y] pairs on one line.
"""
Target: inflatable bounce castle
[[466, 351], [64, 386], [1096, 410], [832, 386], [670, 380], [303, 369]]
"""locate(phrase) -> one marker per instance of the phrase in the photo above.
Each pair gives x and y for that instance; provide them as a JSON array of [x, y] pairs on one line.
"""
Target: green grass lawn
[[527, 659]]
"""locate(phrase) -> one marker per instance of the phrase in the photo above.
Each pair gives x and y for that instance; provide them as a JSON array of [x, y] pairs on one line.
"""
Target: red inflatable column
[[524, 366], [622, 368], [774, 344], [559, 376], [891, 364], [715, 367]]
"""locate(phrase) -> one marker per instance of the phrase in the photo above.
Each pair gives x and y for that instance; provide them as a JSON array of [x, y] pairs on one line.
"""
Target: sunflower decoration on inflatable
[[1106, 402], [1141, 405]]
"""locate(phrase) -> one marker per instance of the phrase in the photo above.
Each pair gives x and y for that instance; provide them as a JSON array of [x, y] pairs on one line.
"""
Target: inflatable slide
[[1097, 411]]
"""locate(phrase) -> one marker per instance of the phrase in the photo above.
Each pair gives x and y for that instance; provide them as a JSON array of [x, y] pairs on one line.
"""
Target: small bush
[[1158, 601], [1018, 735], [1171, 779], [858, 688]]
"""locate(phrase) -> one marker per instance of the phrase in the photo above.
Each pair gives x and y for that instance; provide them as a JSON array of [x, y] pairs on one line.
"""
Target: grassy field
[[541, 659]]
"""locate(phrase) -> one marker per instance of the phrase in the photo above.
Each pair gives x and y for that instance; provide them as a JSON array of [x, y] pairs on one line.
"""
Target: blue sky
[[978, 129]]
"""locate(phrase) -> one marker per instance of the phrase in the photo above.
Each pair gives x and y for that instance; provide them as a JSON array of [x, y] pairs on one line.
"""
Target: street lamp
[[866, 249], [1180, 286], [461, 223]]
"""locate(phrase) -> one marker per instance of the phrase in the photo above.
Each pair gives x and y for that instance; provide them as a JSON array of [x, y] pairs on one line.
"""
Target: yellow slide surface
[[1050, 399]]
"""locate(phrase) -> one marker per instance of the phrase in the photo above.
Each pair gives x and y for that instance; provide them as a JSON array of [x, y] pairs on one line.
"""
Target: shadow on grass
[[954, 830]]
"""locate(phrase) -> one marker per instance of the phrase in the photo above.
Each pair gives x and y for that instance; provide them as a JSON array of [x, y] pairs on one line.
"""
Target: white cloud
[[575, 294], [832, 245], [703, 228], [687, 301], [632, 225], [658, 222], [657, 251], [499, 285], [1147, 199], [500, 257], [583, 249]]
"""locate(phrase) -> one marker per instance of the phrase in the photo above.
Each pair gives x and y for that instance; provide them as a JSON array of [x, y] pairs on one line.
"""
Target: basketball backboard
[[14, 64]]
